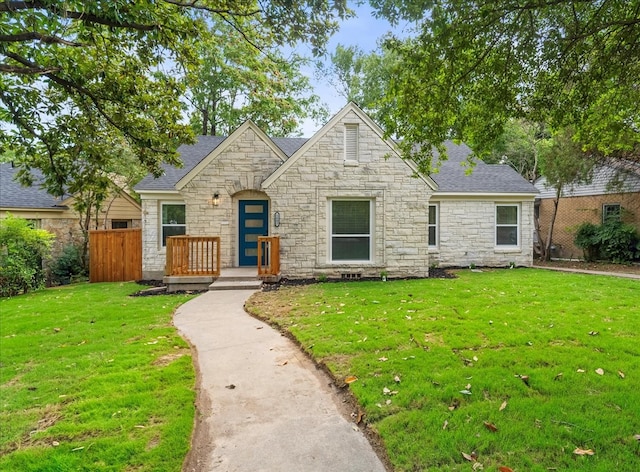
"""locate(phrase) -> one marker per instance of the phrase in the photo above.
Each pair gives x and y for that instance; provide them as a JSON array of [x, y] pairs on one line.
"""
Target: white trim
[[436, 225], [483, 196], [161, 225], [371, 234], [518, 226]]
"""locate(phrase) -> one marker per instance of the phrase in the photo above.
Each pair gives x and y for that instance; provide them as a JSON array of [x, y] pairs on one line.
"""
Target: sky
[[363, 31]]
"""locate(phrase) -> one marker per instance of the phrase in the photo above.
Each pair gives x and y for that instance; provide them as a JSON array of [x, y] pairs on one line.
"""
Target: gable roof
[[193, 154], [452, 176], [14, 195], [349, 107]]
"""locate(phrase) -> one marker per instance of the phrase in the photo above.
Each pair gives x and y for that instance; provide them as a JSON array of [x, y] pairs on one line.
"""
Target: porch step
[[237, 279], [236, 285]]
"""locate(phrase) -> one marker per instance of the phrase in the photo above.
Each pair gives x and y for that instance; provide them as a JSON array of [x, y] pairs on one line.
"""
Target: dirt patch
[[633, 268], [169, 358]]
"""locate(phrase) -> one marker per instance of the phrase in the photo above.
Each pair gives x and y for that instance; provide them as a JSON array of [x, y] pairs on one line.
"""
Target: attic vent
[[351, 142], [350, 276]]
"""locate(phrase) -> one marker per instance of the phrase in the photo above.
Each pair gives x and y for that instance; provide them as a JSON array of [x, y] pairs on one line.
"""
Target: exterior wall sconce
[[276, 219], [215, 201]]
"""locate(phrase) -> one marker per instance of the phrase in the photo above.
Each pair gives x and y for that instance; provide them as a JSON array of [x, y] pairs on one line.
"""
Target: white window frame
[[161, 240], [435, 225], [611, 205], [351, 143], [370, 235], [517, 225]]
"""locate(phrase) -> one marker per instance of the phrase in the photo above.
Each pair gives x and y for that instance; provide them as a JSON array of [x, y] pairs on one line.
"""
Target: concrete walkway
[[592, 272], [263, 405]]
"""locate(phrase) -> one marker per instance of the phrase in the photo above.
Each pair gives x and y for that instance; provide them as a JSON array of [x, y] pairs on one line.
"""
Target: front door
[[253, 222]]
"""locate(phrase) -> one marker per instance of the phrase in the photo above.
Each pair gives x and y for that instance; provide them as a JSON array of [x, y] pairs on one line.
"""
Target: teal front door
[[253, 222]]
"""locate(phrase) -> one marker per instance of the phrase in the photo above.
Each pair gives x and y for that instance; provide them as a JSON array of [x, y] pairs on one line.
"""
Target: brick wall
[[573, 211]]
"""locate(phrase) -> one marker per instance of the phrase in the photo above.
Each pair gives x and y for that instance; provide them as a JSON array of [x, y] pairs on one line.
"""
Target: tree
[[475, 64], [519, 146], [563, 164], [235, 81], [362, 78], [119, 63]]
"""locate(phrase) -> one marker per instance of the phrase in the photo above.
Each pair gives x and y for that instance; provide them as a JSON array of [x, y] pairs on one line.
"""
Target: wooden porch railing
[[193, 255], [268, 255]]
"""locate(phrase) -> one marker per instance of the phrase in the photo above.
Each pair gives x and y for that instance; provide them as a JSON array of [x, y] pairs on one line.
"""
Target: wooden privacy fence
[[268, 255], [193, 255], [115, 255]]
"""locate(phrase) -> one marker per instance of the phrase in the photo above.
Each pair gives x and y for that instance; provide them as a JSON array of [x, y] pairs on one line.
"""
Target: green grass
[[481, 332], [93, 380]]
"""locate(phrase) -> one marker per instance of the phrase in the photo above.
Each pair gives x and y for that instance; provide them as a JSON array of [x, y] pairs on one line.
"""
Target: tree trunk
[[556, 200]]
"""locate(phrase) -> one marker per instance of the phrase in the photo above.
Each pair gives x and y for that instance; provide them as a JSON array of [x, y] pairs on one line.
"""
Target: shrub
[[588, 239], [619, 241], [22, 252], [613, 240], [68, 265]]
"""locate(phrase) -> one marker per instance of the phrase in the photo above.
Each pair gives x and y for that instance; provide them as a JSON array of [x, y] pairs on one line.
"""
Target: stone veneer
[[302, 194], [467, 233]]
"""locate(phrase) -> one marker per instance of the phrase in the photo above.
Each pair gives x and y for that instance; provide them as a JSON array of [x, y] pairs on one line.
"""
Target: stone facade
[[400, 206], [467, 232], [301, 191]]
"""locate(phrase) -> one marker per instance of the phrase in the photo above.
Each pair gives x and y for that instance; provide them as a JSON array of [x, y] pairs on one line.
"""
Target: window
[[34, 223], [120, 224], [173, 221], [507, 225], [350, 230], [611, 212], [433, 225], [351, 142]]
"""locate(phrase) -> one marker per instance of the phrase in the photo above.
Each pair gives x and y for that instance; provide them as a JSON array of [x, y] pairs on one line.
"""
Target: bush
[[619, 242], [613, 241], [22, 252], [68, 265], [588, 239]]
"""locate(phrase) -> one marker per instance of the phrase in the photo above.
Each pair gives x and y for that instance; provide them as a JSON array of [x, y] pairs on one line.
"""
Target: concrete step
[[221, 284]]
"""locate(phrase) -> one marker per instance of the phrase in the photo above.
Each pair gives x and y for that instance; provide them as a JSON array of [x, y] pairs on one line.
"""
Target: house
[[341, 204], [57, 215], [613, 192]]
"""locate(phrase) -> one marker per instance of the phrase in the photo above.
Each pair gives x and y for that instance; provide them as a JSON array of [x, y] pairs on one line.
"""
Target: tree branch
[[32, 35], [37, 70]]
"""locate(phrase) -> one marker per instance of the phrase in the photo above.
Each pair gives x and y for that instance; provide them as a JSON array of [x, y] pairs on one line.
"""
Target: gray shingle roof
[[451, 177], [192, 154], [14, 195], [485, 178]]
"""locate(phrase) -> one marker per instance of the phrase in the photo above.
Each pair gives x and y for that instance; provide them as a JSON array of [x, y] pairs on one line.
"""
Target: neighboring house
[[57, 215], [614, 192], [343, 203]]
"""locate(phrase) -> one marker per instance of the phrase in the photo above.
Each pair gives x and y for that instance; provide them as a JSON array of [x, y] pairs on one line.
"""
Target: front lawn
[[92, 379], [528, 370]]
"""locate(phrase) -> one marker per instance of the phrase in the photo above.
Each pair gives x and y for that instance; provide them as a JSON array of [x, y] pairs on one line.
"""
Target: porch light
[[276, 219], [215, 200]]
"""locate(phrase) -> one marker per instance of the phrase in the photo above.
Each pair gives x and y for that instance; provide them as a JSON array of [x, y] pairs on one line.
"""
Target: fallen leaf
[[468, 386], [383, 359], [350, 379], [284, 363], [580, 371], [446, 423], [621, 374], [593, 333], [583, 452], [636, 436], [77, 449], [386, 391], [478, 466], [475, 358], [505, 469], [359, 416], [230, 387], [599, 371], [503, 406], [558, 376], [139, 426], [490, 426], [465, 392], [55, 443], [454, 404], [525, 379], [468, 457], [397, 379]]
